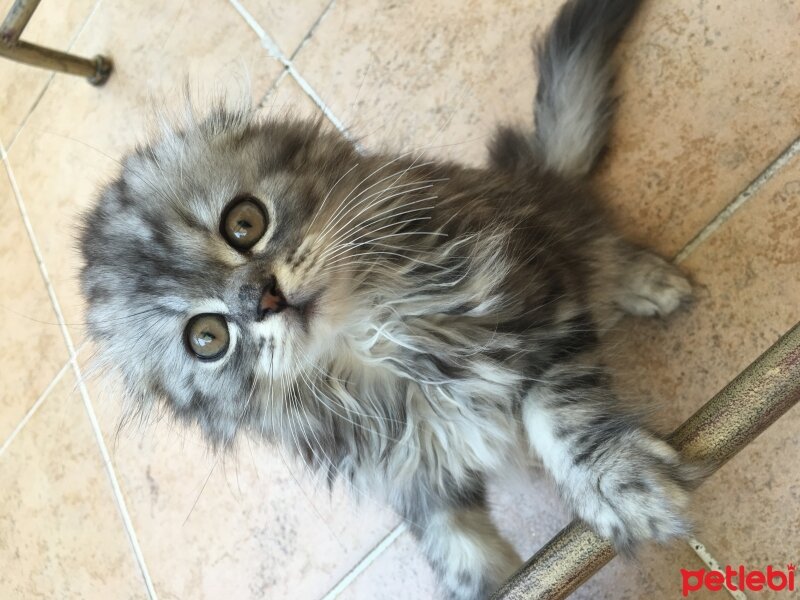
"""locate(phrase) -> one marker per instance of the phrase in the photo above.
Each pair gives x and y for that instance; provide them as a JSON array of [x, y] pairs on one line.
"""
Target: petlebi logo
[[740, 578]]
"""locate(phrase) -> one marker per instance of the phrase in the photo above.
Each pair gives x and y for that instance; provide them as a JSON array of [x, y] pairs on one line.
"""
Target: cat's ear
[[297, 141], [308, 142]]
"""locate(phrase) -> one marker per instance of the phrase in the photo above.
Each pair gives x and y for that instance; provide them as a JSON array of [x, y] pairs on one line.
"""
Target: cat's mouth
[[304, 306]]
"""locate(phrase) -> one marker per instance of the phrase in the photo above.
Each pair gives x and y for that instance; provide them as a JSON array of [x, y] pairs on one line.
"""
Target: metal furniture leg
[[97, 70], [733, 418]]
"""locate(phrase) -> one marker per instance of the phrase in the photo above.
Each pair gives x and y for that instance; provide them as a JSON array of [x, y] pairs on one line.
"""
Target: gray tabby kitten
[[409, 325]]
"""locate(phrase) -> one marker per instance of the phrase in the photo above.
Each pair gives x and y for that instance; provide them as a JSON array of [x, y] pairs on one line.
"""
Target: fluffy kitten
[[407, 324]]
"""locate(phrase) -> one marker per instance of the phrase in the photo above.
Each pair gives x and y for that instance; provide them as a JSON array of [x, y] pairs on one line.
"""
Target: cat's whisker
[[202, 489], [86, 144], [330, 405], [298, 448], [359, 198], [336, 235], [368, 240], [348, 259], [344, 248], [321, 251], [285, 462], [320, 447], [78, 323], [325, 199], [344, 201], [332, 471], [358, 232], [347, 251], [380, 200]]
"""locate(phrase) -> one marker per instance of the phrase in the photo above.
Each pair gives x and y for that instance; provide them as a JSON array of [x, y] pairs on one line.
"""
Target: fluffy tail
[[574, 103]]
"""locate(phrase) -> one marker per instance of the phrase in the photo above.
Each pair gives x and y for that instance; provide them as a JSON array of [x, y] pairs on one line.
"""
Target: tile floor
[[705, 167]]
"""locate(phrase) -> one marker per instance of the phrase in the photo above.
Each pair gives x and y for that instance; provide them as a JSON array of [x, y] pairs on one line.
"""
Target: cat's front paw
[[638, 491]]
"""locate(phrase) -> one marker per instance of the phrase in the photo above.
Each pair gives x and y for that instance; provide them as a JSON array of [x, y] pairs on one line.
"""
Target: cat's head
[[232, 254]]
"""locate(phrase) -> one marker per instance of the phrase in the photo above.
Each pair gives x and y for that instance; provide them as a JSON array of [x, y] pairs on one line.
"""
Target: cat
[[407, 324]]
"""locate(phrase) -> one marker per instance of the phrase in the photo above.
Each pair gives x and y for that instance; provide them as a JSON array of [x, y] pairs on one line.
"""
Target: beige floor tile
[[747, 289], [72, 141], [751, 507], [286, 23], [707, 100], [654, 573], [417, 74], [287, 100], [60, 533], [54, 25], [260, 526], [527, 510], [529, 513], [399, 572], [33, 349], [748, 292], [750, 511]]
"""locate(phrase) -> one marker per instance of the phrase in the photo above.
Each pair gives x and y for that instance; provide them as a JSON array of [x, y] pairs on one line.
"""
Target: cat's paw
[[639, 491], [654, 287]]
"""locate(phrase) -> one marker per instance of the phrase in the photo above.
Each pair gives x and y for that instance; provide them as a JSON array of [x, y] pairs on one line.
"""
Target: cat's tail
[[574, 102]]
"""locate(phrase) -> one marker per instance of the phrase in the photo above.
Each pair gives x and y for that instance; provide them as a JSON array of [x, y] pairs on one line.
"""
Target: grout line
[[269, 44], [310, 33], [272, 46], [311, 93], [30, 112], [112, 476], [39, 97], [266, 40], [32, 410], [712, 564], [73, 361], [365, 562], [272, 88], [787, 155]]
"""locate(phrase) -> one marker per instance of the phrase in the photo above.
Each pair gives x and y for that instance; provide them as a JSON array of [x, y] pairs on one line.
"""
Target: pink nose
[[272, 301]]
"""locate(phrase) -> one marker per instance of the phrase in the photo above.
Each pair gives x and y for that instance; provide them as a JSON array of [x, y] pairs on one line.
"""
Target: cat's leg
[[470, 558], [628, 484], [649, 285]]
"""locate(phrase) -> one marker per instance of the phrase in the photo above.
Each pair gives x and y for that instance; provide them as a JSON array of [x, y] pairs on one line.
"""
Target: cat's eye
[[244, 222], [207, 336]]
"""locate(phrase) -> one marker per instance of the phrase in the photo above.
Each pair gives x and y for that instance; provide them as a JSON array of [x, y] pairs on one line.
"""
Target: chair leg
[[16, 20], [97, 70]]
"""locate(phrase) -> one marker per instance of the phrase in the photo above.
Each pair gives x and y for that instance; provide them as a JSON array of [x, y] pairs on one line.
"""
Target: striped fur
[[451, 318]]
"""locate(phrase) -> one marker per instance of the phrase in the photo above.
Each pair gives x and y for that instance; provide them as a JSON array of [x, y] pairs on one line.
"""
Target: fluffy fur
[[441, 320]]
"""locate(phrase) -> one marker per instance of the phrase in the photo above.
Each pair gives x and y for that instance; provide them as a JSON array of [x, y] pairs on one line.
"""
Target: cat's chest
[[395, 417]]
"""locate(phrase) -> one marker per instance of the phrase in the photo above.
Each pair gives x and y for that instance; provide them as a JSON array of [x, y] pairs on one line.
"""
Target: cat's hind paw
[[654, 287]]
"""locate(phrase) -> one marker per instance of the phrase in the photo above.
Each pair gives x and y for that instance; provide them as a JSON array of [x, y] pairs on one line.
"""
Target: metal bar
[[715, 433], [97, 69], [16, 20]]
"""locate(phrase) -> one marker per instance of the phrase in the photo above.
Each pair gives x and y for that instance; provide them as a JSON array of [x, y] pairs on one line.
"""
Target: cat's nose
[[272, 300]]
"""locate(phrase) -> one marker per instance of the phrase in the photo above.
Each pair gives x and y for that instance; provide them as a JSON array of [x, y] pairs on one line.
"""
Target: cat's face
[[214, 264]]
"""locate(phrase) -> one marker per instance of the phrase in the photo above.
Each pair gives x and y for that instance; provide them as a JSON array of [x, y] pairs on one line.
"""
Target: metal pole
[[96, 70], [16, 20], [722, 427]]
